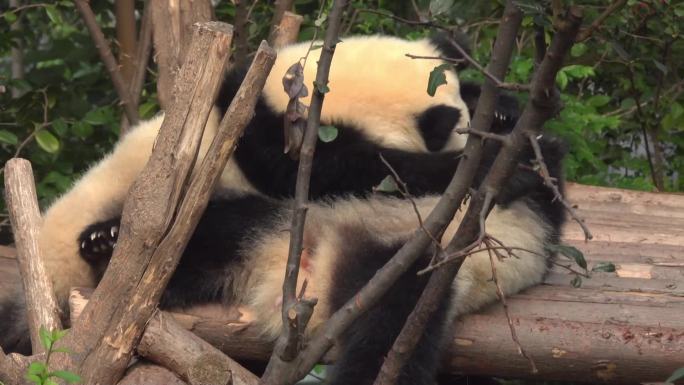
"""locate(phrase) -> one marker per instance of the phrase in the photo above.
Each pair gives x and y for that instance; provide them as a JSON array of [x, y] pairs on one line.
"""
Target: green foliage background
[[68, 114]]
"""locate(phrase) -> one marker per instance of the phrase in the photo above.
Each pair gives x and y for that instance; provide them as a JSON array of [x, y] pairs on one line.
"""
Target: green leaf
[[35, 379], [53, 14], [437, 78], [662, 67], [617, 47], [10, 17], [45, 337], [578, 49], [571, 253], [82, 129], [36, 368], [322, 88], [61, 350], [438, 7], [598, 100], [319, 22], [96, 117], [388, 185], [49, 382], [58, 334], [677, 375], [327, 133], [8, 137], [47, 141], [562, 80], [60, 127], [606, 267], [576, 282], [67, 376], [146, 109]]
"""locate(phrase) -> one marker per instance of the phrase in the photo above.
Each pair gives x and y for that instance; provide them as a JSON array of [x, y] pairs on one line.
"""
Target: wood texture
[[172, 22], [168, 344], [287, 31], [22, 205]]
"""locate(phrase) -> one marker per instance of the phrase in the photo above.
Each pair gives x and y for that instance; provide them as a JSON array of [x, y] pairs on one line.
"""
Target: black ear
[[444, 41]]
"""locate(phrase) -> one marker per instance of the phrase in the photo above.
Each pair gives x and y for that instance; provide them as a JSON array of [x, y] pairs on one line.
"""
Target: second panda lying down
[[238, 253]]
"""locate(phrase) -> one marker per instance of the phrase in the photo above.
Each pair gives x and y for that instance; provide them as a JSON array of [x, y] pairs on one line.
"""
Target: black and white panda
[[239, 249], [380, 108]]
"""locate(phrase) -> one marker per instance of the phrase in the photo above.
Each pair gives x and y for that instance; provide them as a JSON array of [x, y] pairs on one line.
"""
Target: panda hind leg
[[366, 343]]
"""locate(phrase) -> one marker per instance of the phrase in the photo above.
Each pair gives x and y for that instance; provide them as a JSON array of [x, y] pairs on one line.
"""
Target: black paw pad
[[96, 243]]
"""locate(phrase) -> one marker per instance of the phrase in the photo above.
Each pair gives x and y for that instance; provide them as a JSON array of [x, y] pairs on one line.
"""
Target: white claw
[[83, 244], [113, 231], [100, 234], [93, 236]]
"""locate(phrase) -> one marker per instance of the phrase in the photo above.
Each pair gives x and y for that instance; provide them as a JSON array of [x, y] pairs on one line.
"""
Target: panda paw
[[96, 243]]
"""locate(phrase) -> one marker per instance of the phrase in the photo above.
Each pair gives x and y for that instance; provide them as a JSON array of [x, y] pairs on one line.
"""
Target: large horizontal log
[[603, 331]]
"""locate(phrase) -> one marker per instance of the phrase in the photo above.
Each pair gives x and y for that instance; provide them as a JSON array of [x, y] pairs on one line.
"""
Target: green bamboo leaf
[[437, 78], [8, 137], [327, 133], [47, 141], [676, 376]]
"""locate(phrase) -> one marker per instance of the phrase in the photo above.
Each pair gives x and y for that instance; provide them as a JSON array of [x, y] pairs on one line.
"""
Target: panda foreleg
[[364, 346]]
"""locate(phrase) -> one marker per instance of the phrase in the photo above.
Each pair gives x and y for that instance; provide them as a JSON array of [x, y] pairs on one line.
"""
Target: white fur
[[374, 84], [388, 220]]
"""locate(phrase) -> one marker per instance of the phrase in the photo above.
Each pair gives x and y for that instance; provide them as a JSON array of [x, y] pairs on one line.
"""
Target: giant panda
[[238, 252], [383, 108]]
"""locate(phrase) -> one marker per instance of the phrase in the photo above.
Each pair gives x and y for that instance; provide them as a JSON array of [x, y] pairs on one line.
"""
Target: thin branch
[[108, 59], [548, 181], [426, 23], [484, 134], [485, 72], [586, 32], [289, 344], [403, 189], [511, 326]]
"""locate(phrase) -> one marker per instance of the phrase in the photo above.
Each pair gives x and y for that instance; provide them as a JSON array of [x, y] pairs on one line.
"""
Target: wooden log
[[196, 361], [172, 28], [22, 204], [612, 330], [287, 31], [145, 373]]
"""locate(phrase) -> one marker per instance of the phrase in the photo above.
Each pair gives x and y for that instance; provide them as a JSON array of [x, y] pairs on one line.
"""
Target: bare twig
[[108, 60], [483, 134], [289, 343], [511, 326], [485, 72], [586, 32], [548, 181], [403, 189], [442, 58], [22, 205]]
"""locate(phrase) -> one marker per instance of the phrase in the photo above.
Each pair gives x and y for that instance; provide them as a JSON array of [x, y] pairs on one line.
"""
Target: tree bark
[[287, 30], [172, 28], [124, 11], [22, 204]]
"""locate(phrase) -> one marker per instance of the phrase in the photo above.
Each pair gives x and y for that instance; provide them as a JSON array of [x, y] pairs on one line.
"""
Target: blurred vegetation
[[621, 86]]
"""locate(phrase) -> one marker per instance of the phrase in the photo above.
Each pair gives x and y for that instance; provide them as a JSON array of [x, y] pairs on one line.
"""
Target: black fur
[[367, 341], [436, 125], [507, 109], [14, 337], [348, 164]]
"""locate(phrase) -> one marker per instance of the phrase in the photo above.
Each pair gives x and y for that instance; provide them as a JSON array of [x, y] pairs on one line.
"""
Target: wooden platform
[[620, 327], [625, 327]]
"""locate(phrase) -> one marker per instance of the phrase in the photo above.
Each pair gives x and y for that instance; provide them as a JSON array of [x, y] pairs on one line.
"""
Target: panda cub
[[238, 252]]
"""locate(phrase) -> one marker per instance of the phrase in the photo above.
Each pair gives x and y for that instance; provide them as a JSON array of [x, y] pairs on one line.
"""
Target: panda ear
[[444, 42]]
